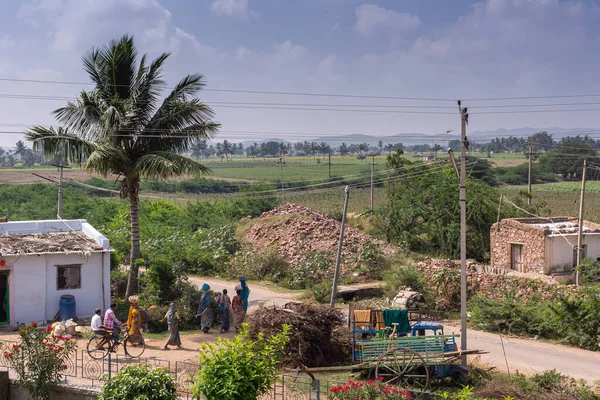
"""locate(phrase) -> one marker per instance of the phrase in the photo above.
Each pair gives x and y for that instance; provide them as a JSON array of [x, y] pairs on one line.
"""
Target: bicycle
[[98, 346]]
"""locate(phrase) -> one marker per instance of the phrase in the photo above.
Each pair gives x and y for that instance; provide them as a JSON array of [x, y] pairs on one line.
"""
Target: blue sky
[[407, 48]]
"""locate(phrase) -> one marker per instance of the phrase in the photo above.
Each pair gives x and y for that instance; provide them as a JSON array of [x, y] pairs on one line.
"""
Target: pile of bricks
[[296, 231]]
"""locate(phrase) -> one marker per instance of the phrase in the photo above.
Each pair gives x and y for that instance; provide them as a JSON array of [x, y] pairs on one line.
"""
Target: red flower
[[34, 324], [9, 354], [15, 347]]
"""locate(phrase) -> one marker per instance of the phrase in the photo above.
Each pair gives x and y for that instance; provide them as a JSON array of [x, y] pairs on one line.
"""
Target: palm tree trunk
[[132, 282]]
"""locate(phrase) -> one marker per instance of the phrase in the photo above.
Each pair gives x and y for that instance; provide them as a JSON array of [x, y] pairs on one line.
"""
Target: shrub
[[257, 266], [400, 276], [589, 271], [371, 261], [321, 292], [140, 382], [39, 359], [161, 279], [311, 269], [579, 316], [239, 369]]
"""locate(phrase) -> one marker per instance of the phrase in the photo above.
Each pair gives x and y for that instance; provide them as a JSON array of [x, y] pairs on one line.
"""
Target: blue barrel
[[68, 307]]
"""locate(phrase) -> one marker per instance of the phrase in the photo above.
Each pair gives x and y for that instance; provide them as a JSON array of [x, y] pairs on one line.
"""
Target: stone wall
[[513, 232], [59, 392]]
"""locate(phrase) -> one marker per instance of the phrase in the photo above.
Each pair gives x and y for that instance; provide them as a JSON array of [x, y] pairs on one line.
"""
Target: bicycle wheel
[[134, 345], [97, 347]]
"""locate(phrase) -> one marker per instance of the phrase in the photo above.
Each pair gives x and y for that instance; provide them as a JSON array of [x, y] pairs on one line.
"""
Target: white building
[[42, 260]]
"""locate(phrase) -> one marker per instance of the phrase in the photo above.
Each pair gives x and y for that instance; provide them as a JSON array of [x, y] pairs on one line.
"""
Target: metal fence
[[85, 370]]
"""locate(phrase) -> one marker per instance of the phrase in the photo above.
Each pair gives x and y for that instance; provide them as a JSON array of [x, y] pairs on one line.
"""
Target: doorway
[[516, 256], [4, 296]]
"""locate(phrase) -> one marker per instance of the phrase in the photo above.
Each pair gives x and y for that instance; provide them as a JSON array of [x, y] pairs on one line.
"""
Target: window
[[68, 277], [583, 254]]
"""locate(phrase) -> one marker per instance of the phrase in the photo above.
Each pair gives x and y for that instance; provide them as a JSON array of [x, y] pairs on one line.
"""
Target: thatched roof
[[48, 243]]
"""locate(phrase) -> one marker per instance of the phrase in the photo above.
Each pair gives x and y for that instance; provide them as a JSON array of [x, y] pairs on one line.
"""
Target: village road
[[529, 356], [524, 355]]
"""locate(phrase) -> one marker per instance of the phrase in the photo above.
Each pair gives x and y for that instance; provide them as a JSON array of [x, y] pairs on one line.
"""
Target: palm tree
[[20, 148], [121, 127]]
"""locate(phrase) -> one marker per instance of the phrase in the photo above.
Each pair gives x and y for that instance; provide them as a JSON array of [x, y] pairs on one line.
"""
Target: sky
[[439, 50]]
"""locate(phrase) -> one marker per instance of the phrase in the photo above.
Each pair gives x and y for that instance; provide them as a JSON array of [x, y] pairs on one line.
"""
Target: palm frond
[[107, 159], [164, 164], [190, 85], [147, 91], [62, 143], [84, 115]]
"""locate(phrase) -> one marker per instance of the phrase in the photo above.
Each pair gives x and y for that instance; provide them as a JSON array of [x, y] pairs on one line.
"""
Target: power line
[[278, 93]]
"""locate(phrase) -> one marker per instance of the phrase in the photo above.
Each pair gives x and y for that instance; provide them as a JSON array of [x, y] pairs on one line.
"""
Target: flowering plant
[[39, 359], [371, 390]]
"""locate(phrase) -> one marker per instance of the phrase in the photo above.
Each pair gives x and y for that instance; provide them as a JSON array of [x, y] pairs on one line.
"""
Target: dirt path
[[530, 357]]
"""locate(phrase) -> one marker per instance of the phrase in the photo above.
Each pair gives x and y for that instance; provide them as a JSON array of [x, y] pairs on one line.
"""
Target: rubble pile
[[481, 282], [296, 231]]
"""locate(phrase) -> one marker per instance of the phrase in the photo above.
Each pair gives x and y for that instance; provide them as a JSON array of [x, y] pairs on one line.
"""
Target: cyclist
[[112, 324], [99, 329]]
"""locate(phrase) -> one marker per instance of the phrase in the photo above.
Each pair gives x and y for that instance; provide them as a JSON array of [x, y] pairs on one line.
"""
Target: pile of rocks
[[296, 231]]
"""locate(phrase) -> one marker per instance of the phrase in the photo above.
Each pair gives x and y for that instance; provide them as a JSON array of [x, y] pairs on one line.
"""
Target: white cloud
[[232, 8], [371, 18]]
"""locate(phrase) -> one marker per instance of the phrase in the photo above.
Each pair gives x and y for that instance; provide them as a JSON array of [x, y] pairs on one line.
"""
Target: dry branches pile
[[318, 338]]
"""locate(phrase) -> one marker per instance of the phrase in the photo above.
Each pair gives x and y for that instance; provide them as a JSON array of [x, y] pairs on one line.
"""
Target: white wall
[[33, 292], [560, 250]]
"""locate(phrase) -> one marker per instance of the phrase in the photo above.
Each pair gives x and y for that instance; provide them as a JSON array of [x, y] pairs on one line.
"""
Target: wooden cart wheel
[[403, 367]]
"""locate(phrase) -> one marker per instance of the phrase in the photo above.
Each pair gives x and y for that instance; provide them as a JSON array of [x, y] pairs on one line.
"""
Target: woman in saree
[[237, 306], [134, 320], [224, 303], [204, 310], [172, 317]]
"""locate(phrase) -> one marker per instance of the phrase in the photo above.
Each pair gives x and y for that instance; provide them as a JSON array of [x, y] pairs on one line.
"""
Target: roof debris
[[48, 243]]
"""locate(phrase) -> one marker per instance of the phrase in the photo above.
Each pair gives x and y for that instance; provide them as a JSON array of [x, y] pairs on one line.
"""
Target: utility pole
[[339, 250], [60, 167], [372, 183], [330, 163], [530, 153], [580, 233], [281, 168], [464, 118]]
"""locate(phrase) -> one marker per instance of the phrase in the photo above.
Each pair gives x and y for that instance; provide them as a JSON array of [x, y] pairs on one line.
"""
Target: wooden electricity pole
[[330, 164], [580, 232], [464, 118], [339, 250], [530, 153]]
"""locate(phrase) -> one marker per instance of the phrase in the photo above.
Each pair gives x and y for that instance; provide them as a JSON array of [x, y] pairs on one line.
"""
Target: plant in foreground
[[371, 390], [140, 382], [39, 359], [240, 369]]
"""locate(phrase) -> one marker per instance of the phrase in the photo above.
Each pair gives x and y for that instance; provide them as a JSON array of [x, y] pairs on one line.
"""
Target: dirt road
[[526, 356]]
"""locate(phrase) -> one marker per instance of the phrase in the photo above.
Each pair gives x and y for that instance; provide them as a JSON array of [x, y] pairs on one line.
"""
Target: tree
[[20, 148], [344, 149], [227, 148], [240, 149], [454, 145], [283, 149], [567, 160], [380, 145], [314, 147], [436, 147], [542, 140], [113, 128], [198, 148], [263, 150], [324, 148]]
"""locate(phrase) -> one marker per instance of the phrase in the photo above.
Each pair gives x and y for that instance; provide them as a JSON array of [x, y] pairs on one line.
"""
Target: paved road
[[526, 356]]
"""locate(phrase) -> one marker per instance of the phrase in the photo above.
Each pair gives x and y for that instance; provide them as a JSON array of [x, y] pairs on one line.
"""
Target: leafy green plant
[[371, 260], [240, 369], [161, 279], [257, 265], [311, 269], [140, 382], [321, 292], [409, 276], [589, 271], [39, 359]]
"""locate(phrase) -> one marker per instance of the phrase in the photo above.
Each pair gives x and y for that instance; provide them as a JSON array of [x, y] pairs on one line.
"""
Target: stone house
[[541, 245], [40, 261]]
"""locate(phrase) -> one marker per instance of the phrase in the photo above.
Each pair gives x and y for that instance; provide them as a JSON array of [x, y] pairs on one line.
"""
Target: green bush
[[140, 382], [371, 261], [589, 271], [257, 266], [321, 292], [400, 276], [240, 369], [579, 316], [161, 280], [310, 270]]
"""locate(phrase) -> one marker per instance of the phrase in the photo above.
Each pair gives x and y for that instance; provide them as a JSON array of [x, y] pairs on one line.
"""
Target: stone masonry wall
[[514, 232]]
